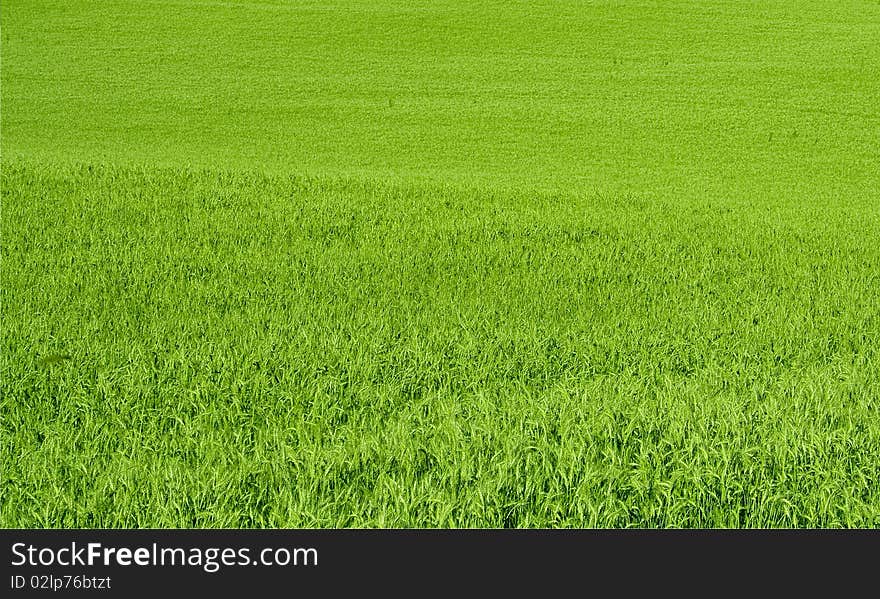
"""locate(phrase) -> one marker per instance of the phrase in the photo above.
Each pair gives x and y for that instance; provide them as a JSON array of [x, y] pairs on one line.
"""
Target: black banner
[[414, 562]]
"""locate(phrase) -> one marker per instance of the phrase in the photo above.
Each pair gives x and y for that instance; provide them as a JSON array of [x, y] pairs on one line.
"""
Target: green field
[[384, 264]]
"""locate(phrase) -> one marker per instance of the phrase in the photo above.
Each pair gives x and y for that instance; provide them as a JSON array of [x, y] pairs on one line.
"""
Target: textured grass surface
[[259, 351], [437, 264]]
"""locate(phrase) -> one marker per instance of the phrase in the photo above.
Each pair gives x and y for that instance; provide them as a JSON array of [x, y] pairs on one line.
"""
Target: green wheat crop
[[433, 264]]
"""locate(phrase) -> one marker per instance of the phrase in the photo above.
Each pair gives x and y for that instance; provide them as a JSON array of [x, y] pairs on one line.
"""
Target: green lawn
[[440, 264]]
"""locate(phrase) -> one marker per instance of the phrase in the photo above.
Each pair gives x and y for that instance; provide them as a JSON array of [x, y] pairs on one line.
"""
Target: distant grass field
[[437, 264]]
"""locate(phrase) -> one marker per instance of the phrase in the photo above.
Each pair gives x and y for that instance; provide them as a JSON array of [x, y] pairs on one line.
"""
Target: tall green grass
[[185, 347], [440, 263]]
